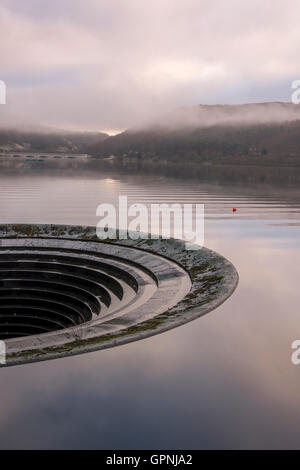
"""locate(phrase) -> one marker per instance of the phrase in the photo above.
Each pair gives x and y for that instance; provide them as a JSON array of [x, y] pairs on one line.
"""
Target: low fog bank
[[202, 116]]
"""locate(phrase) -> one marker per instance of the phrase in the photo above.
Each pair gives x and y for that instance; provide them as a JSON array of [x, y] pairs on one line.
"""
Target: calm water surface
[[223, 381]]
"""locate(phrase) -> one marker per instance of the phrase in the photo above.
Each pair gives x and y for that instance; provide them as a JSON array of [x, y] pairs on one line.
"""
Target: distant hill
[[207, 140], [221, 129], [226, 143], [77, 142], [209, 143]]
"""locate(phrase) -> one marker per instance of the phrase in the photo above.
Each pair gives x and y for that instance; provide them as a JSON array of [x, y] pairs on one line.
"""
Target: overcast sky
[[109, 64]]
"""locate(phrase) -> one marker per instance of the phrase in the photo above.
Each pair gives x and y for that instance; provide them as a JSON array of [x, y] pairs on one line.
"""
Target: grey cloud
[[109, 65]]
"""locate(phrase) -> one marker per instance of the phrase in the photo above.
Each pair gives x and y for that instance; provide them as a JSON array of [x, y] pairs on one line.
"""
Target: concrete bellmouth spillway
[[65, 292]]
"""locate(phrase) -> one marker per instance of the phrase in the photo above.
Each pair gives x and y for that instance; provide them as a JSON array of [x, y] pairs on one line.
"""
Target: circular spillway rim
[[190, 283]]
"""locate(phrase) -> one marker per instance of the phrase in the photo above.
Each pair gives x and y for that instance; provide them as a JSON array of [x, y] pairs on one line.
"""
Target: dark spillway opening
[[42, 291], [36, 299]]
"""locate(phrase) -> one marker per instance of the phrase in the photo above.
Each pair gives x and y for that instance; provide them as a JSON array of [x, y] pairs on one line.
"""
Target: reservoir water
[[223, 381]]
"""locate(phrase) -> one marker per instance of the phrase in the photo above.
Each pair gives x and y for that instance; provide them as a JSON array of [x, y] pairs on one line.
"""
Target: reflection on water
[[223, 381]]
